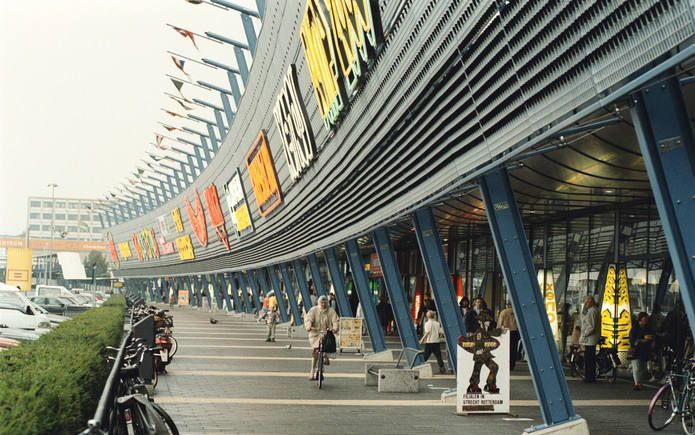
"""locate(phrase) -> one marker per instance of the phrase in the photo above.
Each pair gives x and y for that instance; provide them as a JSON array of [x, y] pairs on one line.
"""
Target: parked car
[[18, 335], [60, 305], [16, 312], [54, 318]]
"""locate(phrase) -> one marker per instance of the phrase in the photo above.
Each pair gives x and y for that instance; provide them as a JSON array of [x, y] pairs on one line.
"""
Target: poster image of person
[[481, 343], [483, 354]]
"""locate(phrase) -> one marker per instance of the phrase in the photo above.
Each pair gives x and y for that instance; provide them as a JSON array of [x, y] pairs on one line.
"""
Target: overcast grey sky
[[81, 87]]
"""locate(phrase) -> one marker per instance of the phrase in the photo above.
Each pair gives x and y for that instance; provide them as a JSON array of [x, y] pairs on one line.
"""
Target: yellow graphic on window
[[176, 216], [546, 283], [616, 320]]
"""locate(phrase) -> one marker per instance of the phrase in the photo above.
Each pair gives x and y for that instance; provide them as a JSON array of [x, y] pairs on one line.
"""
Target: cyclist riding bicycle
[[319, 319]]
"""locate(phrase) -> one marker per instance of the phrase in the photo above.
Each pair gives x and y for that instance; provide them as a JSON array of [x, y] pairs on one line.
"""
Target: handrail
[[416, 352], [96, 424]]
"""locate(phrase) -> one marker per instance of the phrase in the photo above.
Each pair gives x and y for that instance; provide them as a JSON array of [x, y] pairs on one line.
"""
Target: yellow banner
[[176, 216], [243, 220], [185, 247], [616, 320], [549, 300], [19, 268], [124, 248]]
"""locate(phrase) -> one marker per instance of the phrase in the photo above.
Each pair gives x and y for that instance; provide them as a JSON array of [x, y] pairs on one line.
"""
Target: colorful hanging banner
[[112, 250], [340, 38], [138, 247], [616, 320], [547, 286], [293, 124], [185, 247], [124, 248], [263, 177], [166, 248], [216, 215], [176, 217], [238, 206], [197, 219]]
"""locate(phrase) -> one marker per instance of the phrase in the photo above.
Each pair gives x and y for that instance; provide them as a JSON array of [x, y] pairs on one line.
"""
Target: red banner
[[138, 248], [197, 219], [216, 216]]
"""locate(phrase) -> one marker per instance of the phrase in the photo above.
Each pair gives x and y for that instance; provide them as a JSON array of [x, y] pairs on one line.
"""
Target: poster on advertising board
[[183, 297], [350, 334], [238, 206], [482, 379]]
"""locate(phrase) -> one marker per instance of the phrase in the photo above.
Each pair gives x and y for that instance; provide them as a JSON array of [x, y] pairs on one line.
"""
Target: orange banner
[[263, 178], [216, 216], [197, 219]]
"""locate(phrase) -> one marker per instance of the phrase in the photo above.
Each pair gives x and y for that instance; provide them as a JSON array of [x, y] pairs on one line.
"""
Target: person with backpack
[[318, 320]]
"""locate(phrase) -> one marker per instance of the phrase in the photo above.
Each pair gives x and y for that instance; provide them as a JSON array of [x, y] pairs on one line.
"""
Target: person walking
[[641, 340], [431, 338], [271, 319], [506, 320], [317, 321], [171, 299], [591, 332]]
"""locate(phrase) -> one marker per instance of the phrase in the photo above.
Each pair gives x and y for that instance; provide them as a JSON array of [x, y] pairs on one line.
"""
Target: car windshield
[[67, 300], [12, 299]]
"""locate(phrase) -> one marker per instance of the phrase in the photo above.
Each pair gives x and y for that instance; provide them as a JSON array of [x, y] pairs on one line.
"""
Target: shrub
[[52, 385]]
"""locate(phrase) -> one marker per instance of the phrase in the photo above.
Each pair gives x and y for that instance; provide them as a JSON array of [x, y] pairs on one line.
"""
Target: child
[[431, 337], [271, 319]]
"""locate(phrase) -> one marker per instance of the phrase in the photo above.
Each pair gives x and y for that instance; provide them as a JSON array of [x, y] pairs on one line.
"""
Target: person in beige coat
[[319, 318]]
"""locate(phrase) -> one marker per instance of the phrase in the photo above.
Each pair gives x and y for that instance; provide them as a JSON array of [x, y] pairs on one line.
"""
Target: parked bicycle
[[135, 411], [607, 362], [676, 398]]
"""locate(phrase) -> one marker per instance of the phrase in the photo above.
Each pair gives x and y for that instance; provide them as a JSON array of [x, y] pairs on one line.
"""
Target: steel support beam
[[219, 297], [296, 312], [220, 125], [190, 291], [253, 283], [315, 270], [245, 290], [665, 135], [394, 287], [300, 275], [227, 108], [206, 290], [662, 287], [278, 293], [213, 138], [228, 280], [206, 149], [359, 277], [199, 158], [338, 281], [439, 277], [527, 299], [243, 66], [242, 289]]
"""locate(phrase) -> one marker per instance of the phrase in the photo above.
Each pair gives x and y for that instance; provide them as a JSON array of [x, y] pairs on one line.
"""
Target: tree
[[99, 258]]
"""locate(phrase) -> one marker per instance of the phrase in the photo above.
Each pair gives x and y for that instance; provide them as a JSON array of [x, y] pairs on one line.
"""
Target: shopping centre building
[[526, 151]]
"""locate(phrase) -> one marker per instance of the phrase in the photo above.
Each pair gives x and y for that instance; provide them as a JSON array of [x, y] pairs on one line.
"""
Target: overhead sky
[[82, 85]]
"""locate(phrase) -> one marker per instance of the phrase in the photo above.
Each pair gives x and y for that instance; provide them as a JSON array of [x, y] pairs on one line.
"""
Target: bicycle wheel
[[167, 419], [174, 346], [319, 370], [662, 408]]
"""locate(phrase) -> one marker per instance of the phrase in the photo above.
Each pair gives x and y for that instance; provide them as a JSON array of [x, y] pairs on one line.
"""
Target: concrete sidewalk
[[225, 379]]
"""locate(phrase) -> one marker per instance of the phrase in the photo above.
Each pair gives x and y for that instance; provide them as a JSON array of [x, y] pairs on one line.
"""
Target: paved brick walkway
[[225, 379]]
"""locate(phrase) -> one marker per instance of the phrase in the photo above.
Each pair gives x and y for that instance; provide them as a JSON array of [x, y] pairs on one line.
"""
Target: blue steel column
[[665, 135], [227, 279], [191, 168], [213, 137], [197, 288], [394, 287], [217, 289], [253, 283], [220, 125], [227, 108], [222, 286], [278, 293], [338, 282], [662, 287], [206, 150], [359, 276], [150, 290], [316, 275], [205, 290], [440, 280], [242, 290], [190, 290], [527, 300], [199, 158], [296, 312], [301, 282]]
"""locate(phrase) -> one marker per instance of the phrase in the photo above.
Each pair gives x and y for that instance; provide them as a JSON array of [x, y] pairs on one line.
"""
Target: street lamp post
[[53, 215]]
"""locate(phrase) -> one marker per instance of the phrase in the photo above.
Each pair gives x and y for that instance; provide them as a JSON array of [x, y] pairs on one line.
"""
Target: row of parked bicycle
[[130, 409]]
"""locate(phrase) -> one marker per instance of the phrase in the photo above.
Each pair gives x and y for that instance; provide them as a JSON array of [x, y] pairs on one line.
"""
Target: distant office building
[[75, 218]]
